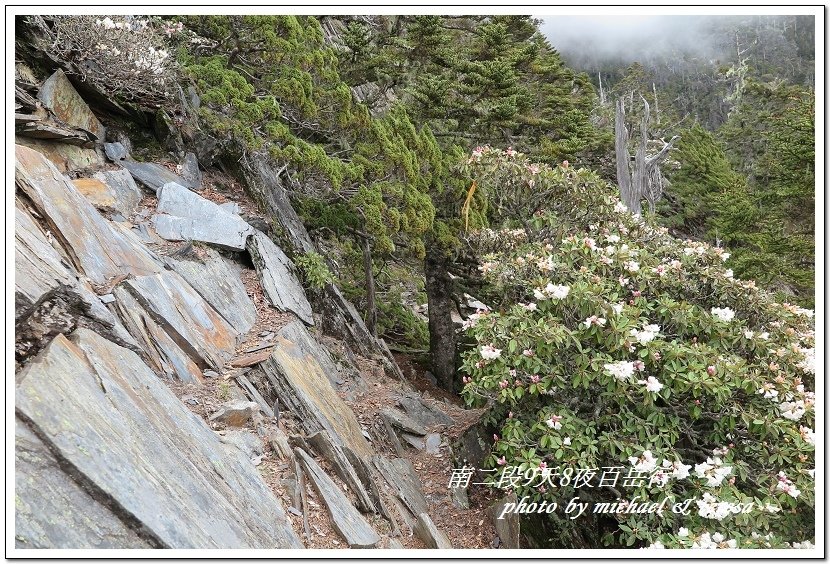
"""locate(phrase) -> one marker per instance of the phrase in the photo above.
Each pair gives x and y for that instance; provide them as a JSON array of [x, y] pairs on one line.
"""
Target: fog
[[584, 40]]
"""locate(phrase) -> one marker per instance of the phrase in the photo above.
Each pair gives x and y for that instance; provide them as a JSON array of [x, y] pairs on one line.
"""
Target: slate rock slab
[[189, 170], [185, 216], [54, 511], [153, 176], [97, 249], [221, 286], [251, 391], [58, 94], [122, 187], [402, 421], [115, 151], [294, 371], [401, 476], [279, 282], [422, 412], [507, 528], [426, 530], [65, 157], [160, 351], [190, 321], [135, 446], [333, 454], [48, 296], [347, 520]]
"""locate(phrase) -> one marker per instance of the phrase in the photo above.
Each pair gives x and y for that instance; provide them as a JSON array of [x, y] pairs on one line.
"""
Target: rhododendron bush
[[617, 345]]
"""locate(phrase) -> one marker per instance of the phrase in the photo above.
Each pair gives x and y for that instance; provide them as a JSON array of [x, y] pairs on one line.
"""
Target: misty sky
[[627, 36]]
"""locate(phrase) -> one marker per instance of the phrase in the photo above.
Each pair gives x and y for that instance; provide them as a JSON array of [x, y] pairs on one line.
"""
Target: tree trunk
[[643, 179], [631, 201], [371, 306], [441, 330]]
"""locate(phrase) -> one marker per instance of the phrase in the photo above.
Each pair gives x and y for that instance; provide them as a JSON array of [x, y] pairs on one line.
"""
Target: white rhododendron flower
[[683, 532], [710, 507], [808, 435], [632, 266], [793, 410], [594, 320], [652, 384], [554, 422], [808, 364], [713, 470], [622, 370], [647, 335], [724, 314], [786, 485], [645, 463], [489, 352]]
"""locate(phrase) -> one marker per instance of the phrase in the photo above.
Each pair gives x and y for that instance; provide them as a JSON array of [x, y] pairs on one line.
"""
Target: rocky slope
[[176, 388]]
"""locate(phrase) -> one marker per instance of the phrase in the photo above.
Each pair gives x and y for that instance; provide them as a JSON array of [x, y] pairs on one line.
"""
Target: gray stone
[[236, 413], [394, 544], [246, 441], [184, 315], [55, 133], [115, 151], [123, 188], [65, 157], [220, 285], [153, 176], [298, 377], [97, 248], [131, 443], [231, 207], [107, 298], [402, 421], [254, 394], [402, 478], [276, 274], [417, 443], [333, 454], [186, 216], [105, 198], [146, 234], [58, 94], [52, 510], [433, 443], [472, 447], [292, 490], [426, 530], [507, 528], [161, 352], [347, 520], [189, 170], [459, 498], [48, 296], [422, 412]]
